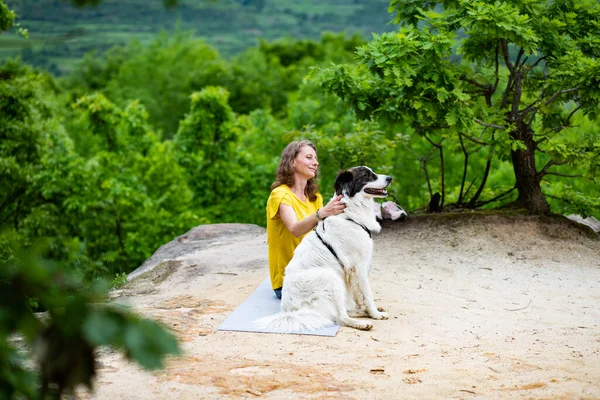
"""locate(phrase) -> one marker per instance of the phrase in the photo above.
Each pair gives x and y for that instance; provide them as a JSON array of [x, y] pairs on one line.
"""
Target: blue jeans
[[278, 292]]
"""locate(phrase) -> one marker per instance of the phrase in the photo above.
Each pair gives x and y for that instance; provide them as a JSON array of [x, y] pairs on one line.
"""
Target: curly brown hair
[[285, 169]]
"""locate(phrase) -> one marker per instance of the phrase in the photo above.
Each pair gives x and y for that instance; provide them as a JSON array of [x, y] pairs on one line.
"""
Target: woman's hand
[[334, 207], [298, 228]]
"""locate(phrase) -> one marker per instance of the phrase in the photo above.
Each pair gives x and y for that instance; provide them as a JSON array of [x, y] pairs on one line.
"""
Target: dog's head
[[361, 180]]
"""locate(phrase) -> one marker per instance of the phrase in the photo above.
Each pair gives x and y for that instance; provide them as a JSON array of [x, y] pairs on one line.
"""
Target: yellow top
[[280, 240]]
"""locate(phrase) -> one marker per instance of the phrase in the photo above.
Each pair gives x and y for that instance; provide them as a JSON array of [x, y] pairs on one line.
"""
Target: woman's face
[[305, 163]]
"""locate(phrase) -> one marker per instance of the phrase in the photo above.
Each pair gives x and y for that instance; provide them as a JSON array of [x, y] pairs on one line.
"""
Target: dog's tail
[[303, 320]]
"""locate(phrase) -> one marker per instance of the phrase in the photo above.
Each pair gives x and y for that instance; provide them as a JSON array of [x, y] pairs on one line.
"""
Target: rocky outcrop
[[484, 304], [589, 221], [198, 239]]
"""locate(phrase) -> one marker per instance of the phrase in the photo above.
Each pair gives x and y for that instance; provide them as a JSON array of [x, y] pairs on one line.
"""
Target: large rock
[[197, 239]]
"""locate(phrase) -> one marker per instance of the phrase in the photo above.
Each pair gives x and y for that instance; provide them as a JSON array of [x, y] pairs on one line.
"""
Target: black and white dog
[[330, 267]]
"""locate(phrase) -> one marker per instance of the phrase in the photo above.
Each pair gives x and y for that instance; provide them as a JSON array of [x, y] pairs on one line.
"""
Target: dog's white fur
[[316, 288]]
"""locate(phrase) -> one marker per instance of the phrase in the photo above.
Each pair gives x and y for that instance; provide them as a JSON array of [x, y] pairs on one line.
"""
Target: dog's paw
[[380, 315], [365, 327]]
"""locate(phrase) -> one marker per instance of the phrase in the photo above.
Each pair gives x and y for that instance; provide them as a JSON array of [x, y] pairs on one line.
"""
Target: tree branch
[[565, 124], [486, 89], [544, 170], [497, 62], [523, 63], [528, 108], [470, 186], [564, 175], [506, 55], [486, 174], [550, 163], [521, 52], [490, 125], [465, 167], [499, 197], [537, 62], [517, 96], [443, 178], [533, 107], [511, 68], [555, 95], [423, 162], [474, 140], [437, 145], [472, 81]]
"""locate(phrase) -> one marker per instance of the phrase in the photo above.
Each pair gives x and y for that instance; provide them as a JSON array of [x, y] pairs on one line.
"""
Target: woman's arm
[[299, 228]]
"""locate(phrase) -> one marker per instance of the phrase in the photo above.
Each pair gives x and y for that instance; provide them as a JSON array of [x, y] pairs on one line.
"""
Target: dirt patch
[[186, 316], [256, 378], [188, 301]]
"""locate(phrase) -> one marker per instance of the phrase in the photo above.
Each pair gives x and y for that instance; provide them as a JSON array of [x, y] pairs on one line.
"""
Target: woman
[[294, 207]]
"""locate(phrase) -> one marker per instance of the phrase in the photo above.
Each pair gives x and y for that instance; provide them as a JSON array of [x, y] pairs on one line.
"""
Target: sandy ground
[[481, 307]]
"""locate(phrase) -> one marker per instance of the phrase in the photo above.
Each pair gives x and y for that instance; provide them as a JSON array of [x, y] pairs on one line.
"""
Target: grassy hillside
[[60, 33]]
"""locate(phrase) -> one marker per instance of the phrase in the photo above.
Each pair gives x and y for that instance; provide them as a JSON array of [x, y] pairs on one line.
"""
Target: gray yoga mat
[[260, 303]]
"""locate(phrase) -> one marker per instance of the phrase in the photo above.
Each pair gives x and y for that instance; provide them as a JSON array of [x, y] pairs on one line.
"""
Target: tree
[[135, 194], [508, 75], [35, 151], [205, 142], [161, 74]]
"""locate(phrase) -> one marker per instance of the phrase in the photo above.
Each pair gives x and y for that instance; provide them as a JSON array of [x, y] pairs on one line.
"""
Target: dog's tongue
[[380, 192]]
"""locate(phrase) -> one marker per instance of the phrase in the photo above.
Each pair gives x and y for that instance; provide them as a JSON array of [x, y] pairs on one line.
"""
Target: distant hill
[[61, 33]]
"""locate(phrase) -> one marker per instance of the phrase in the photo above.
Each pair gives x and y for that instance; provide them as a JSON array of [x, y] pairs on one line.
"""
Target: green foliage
[[32, 145], [118, 197], [342, 141], [266, 76], [164, 73], [119, 280], [496, 74], [256, 82], [569, 200], [205, 144], [161, 75], [363, 144], [100, 178], [135, 191], [7, 17], [63, 341]]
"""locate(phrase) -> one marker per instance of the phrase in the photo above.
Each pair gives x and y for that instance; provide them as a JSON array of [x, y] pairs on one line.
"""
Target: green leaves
[[7, 17], [76, 324], [143, 341], [569, 199], [501, 20], [205, 143], [499, 73]]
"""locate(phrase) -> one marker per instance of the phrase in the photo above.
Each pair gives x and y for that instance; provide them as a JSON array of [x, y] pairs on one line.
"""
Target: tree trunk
[[526, 175]]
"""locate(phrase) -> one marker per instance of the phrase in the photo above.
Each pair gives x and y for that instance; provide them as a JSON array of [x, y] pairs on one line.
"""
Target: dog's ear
[[343, 183]]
